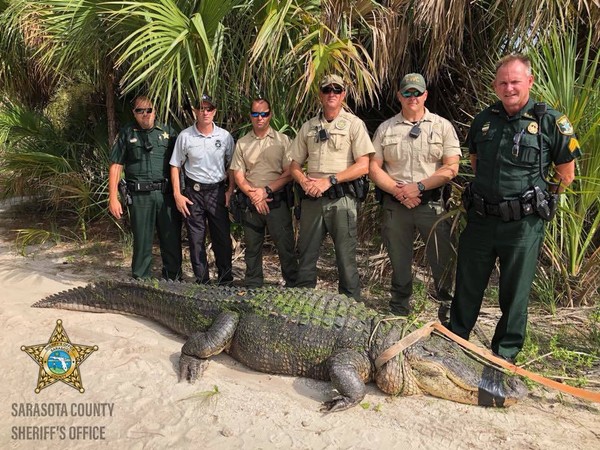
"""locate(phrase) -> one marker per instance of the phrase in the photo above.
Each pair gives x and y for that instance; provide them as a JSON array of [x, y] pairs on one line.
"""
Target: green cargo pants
[[338, 218], [398, 233], [279, 224]]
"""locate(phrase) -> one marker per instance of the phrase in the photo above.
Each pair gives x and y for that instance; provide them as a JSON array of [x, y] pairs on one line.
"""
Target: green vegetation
[[68, 69]]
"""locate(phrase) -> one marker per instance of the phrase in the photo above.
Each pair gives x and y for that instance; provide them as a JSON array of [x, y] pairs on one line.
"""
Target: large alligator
[[301, 332]]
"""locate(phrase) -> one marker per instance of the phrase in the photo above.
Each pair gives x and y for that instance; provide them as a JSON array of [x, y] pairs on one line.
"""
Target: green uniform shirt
[[144, 153], [508, 150]]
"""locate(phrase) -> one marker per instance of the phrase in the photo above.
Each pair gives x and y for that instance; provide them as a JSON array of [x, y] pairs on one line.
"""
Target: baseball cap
[[413, 81], [332, 79], [206, 98]]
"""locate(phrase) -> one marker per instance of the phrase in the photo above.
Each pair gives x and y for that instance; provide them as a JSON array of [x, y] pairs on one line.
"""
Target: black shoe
[[399, 311], [444, 313]]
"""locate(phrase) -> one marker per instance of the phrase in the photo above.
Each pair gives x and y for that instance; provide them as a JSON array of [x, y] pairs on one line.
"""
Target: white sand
[[135, 371]]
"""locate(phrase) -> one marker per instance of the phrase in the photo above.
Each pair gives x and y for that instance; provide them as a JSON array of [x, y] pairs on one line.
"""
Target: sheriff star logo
[[59, 360], [165, 135]]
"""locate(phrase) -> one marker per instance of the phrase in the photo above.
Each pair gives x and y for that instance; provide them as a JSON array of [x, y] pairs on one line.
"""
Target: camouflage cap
[[413, 81], [333, 79]]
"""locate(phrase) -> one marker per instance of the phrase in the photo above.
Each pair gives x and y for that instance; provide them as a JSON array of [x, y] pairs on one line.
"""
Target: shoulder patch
[[564, 126]]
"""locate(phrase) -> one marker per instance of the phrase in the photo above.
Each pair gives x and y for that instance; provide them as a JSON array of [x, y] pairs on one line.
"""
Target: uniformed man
[[512, 145], [204, 152], [416, 154], [335, 146], [143, 149], [260, 168]]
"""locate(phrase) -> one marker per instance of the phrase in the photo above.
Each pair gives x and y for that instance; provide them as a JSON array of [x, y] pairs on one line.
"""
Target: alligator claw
[[338, 403], [191, 368]]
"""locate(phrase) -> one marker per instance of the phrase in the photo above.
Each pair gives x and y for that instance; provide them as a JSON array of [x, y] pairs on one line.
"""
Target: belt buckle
[[197, 187]]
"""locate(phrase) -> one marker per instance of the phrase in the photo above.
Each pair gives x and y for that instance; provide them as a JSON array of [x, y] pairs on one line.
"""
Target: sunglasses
[[409, 94], [330, 89], [143, 110], [208, 108], [262, 114], [517, 142]]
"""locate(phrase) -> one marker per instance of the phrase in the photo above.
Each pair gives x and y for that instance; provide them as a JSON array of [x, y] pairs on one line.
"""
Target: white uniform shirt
[[205, 158]]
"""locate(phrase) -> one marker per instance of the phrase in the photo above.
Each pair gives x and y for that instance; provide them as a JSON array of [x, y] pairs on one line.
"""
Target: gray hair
[[514, 57]]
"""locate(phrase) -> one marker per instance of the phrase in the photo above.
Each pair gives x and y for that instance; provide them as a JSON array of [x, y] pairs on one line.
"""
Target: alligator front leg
[[202, 345], [348, 371]]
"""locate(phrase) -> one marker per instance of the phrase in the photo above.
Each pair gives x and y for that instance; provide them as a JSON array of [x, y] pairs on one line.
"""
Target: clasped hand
[[408, 194], [315, 187]]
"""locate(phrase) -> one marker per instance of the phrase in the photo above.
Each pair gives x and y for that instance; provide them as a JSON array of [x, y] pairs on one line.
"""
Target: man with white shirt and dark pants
[[204, 152]]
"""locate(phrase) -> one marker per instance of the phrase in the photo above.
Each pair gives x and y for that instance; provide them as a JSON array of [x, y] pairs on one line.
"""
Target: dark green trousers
[[150, 211], [338, 218], [398, 233], [279, 224], [516, 245]]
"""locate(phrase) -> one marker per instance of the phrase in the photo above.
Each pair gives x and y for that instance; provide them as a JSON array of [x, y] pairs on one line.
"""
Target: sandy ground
[[134, 371]]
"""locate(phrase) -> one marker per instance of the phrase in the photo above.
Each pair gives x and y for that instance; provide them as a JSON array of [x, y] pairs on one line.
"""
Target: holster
[[379, 193], [126, 197], [236, 207], [546, 204], [360, 186], [467, 197]]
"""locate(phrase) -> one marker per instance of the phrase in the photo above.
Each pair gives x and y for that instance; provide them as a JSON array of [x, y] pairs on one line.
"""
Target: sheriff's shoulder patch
[[564, 126]]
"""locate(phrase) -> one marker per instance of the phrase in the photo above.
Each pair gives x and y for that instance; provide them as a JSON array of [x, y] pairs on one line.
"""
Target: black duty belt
[[197, 186], [147, 186], [508, 210]]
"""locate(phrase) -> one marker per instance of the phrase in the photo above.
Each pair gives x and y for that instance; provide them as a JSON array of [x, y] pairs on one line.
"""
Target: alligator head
[[440, 367]]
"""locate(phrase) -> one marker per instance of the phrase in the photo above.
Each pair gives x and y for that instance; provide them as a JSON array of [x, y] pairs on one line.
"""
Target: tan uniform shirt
[[262, 159], [348, 140], [408, 159]]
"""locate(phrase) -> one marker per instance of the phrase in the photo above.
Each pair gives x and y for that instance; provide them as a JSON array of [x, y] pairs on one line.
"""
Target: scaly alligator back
[[284, 331], [300, 332]]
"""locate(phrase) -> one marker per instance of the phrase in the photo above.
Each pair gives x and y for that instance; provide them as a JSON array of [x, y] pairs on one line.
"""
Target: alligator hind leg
[[348, 371], [201, 345]]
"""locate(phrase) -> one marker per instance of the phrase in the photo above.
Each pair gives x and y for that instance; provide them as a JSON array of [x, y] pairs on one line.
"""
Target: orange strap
[[487, 354], [426, 330], [404, 343]]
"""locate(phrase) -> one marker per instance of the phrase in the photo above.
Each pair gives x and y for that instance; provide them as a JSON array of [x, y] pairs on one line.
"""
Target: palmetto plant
[[239, 49], [568, 78]]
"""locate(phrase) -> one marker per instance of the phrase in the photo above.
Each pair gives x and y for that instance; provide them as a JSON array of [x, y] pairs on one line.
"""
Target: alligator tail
[[177, 308]]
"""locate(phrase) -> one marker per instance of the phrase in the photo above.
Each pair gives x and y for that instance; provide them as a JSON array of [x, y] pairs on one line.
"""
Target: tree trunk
[[111, 117]]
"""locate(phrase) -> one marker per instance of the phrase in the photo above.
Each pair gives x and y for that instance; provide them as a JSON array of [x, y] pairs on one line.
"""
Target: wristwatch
[[333, 180], [421, 187], [269, 192]]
